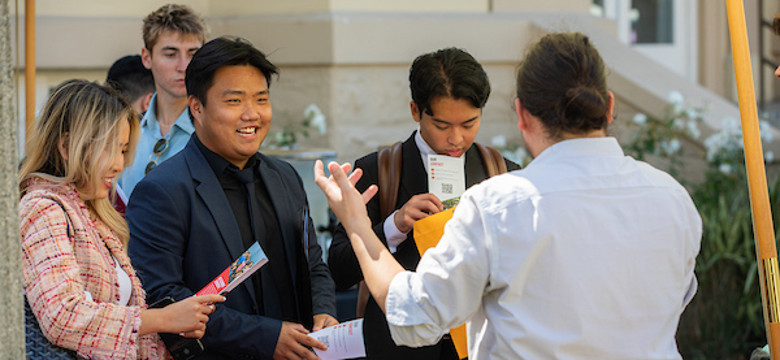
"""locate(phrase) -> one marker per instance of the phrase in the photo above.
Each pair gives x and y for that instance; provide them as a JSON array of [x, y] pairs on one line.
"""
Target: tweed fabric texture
[[58, 269]]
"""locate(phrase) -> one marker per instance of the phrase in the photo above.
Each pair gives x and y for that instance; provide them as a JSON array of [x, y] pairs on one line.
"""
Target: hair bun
[[584, 102]]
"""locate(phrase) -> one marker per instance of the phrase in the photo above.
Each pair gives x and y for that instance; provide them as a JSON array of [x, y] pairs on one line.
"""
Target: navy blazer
[[183, 234], [346, 269]]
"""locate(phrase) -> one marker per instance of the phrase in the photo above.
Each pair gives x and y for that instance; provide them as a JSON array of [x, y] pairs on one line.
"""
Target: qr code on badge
[[446, 188]]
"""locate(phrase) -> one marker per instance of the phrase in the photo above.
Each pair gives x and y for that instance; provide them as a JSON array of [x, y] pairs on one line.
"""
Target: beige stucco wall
[[354, 65], [209, 8], [542, 6], [351, 57]]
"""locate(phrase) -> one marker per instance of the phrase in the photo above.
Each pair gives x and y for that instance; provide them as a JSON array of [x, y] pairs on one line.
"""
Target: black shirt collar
[[217, 162]]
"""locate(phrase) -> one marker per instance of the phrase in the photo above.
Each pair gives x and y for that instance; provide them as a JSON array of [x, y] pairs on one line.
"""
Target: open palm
[[346, 202]]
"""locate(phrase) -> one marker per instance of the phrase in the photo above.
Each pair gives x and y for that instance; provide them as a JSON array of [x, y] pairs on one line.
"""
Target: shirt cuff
[[409, 325], [393, 236]]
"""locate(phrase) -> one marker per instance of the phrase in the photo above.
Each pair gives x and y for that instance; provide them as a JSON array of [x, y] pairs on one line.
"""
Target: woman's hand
[[187, 317]]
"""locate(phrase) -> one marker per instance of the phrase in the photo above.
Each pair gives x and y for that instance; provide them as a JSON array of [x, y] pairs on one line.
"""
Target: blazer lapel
[[208, 188]]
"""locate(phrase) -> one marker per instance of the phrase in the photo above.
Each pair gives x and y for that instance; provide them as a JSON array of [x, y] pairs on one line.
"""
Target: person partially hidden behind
[[201, 209], [776, 28], [449, 89], [133, 81], [77, 278], [584, 254]]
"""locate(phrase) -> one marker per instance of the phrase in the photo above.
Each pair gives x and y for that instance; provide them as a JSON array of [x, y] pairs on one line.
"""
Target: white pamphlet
[[344, 341], [446, 178]]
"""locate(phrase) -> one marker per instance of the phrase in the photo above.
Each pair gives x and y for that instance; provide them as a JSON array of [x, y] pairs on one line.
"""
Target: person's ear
[[522, 122], [62, 145], [146, 58], [611, 110], [196, 110], [147, 101], [416, 115]]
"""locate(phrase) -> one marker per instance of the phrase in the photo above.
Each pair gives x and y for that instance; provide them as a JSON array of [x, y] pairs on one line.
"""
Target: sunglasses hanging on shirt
[[159, 148]]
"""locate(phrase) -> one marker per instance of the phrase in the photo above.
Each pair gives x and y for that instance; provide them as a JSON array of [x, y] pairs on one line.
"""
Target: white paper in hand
[[446, 176], [344, 341]]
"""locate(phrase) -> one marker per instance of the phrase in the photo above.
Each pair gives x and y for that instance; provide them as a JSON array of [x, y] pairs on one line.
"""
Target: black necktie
[[246, 177]]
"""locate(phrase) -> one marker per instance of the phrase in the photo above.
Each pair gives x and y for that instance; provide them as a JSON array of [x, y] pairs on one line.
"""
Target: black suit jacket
[[344, 265], [183, 234]]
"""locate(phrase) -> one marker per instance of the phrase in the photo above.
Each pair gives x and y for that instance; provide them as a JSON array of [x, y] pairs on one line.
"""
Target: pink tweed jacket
[[59, 267]]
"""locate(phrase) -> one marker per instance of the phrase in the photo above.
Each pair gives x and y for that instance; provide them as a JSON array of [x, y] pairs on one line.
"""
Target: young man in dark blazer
[[449, 89], [192, 216]]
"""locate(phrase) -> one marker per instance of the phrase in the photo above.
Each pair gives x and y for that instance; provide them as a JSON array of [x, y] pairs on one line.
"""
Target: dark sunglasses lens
[[160, 145], [150, 166]]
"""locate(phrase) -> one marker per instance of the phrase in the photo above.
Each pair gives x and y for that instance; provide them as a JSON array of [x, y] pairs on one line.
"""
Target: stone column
[[11, 310]]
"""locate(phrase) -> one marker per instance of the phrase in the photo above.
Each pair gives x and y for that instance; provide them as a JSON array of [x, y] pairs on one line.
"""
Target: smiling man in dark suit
[[198, 211], [449, 89]]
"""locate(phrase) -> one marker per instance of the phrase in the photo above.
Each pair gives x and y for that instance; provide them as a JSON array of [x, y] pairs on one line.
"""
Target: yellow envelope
[[427, 233]]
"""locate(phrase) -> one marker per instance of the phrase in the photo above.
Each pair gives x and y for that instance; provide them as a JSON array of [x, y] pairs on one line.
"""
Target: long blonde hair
[[86, 116]]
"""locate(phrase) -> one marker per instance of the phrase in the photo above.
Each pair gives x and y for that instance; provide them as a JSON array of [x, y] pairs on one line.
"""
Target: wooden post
[[29, 66], [763, 228]]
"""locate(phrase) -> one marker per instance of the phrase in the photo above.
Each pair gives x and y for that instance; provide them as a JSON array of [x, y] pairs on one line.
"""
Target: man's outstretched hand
[[377, 263], [344, 200]]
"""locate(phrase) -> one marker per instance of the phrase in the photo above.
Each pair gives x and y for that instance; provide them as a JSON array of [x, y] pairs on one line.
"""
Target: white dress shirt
[[584, 254]]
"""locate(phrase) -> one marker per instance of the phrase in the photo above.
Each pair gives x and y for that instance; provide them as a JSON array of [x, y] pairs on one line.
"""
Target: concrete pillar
[[11, 310]]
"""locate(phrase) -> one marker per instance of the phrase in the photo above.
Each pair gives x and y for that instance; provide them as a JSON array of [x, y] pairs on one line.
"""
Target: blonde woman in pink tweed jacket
[[77, 277]]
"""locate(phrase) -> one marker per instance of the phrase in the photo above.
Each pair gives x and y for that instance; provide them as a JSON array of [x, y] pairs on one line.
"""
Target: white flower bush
[[726, 146], [663, 136], [313, 118], [640, 119], [498, 141], [723, 150]]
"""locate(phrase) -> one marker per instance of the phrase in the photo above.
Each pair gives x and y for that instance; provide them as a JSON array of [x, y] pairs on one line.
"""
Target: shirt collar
[[217, 162], [183, 122], [605, 145], [424, 148]]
